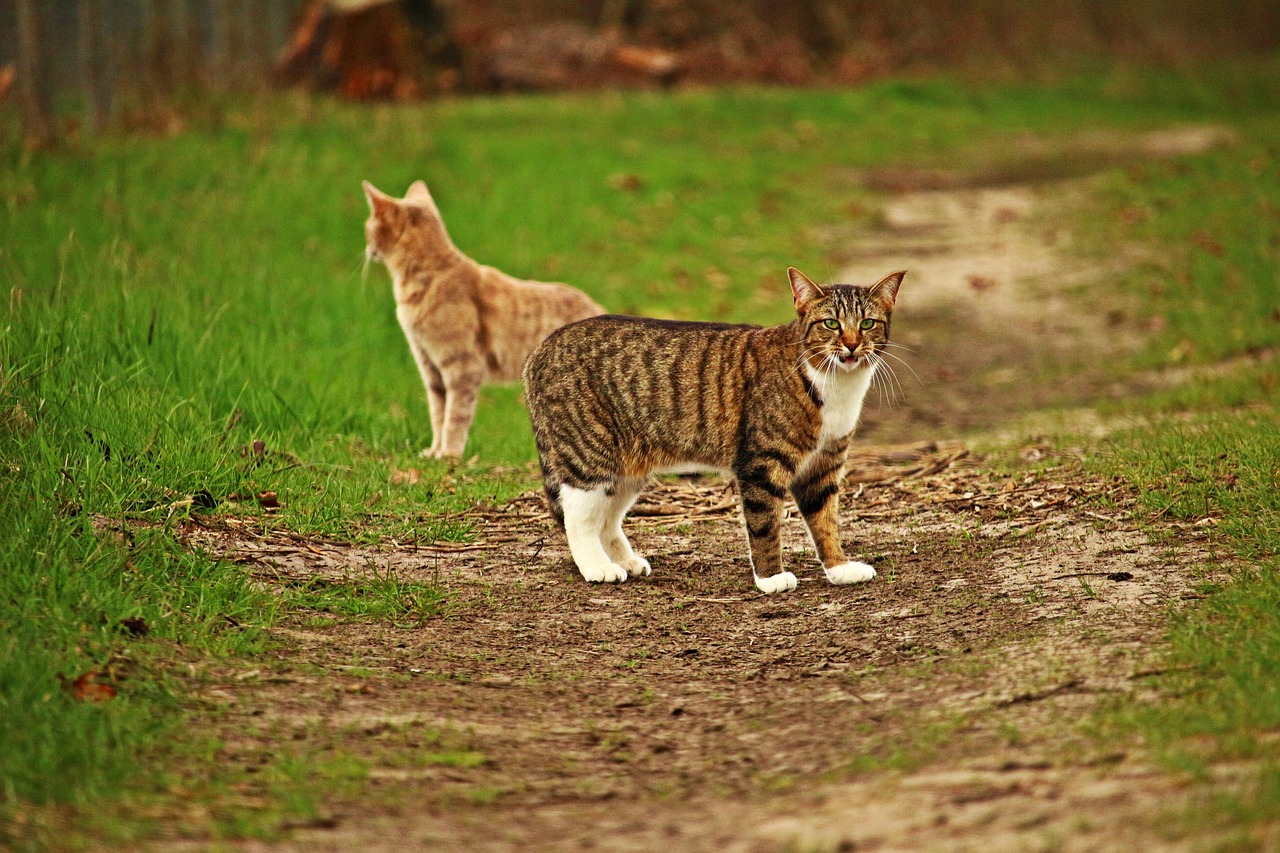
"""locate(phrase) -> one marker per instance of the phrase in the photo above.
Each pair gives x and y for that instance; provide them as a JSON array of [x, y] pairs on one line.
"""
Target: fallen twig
[[1043, 694]]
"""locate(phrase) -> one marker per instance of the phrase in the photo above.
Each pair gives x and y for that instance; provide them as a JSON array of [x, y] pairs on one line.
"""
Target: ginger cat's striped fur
[[614, 399], [467, 324]]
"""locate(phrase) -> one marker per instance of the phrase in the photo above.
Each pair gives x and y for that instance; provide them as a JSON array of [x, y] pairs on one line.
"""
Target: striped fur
[[466, 324], [614, 399]]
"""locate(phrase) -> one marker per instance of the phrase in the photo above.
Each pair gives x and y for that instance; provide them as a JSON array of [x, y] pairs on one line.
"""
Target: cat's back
[[664, 392], [638, 344], [625, 361]]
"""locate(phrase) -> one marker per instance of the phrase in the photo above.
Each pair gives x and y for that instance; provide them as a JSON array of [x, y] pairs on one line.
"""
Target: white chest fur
[[842, 394]]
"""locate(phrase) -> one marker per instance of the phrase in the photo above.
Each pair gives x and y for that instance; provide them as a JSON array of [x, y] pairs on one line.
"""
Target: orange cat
[[467, 324]]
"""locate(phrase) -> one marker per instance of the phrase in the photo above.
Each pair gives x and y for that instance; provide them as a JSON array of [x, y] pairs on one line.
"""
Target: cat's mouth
[[848, 360]]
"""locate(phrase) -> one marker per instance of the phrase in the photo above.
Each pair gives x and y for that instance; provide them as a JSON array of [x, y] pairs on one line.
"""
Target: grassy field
[[172, 301], [1211, 452]]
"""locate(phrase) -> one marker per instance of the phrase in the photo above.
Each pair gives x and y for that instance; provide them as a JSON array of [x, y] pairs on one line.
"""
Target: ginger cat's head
[[396, 226], [846, 327]]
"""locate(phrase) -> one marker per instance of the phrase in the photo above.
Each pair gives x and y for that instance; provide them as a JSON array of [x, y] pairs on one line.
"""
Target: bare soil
[[938, 707]]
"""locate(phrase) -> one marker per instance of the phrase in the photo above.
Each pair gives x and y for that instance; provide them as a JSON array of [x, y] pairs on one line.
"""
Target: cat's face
[[846, 327]]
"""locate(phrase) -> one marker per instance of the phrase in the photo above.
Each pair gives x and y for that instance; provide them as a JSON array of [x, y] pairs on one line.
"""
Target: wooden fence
[[106, 59]]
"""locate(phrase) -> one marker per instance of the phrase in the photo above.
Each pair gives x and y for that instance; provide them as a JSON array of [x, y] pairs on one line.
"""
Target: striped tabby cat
[[614, 399], [466, 323]]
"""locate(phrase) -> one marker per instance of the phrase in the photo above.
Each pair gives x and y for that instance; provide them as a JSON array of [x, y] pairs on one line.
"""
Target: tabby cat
[[467, 324], [614, 399]]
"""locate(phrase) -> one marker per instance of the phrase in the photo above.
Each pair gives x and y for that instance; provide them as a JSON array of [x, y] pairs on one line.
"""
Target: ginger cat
[[614, 399], [467, 324]]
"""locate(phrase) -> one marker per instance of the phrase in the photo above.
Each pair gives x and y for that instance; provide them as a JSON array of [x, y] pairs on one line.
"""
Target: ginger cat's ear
[[378, 200], [803, 290], [419, 196], [886, 289]]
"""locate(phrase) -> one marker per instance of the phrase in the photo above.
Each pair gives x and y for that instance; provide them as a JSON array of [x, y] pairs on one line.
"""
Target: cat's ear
[[803, 290], [378, 200], [419, 196], [885, 291]]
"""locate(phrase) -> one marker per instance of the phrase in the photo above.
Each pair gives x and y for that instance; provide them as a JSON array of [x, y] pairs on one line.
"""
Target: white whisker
[[906, 365], [803, 359], [877, 381], [889, 385]]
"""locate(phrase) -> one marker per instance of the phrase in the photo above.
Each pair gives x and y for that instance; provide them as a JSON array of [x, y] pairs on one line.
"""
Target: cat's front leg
[[462, 380], [816, 489], [434, 383], [762, 496]]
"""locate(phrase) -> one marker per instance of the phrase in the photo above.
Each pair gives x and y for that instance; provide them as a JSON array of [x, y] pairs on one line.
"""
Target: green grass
[[1222, 700], [170, 301], [1210, 456], [1212, 290], [378, 595]]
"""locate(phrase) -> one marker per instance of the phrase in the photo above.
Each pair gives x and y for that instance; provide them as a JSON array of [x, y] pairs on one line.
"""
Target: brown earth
[[938, 707]]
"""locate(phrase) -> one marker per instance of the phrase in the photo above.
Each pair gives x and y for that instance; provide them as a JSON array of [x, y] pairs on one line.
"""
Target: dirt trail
[[935, 708]]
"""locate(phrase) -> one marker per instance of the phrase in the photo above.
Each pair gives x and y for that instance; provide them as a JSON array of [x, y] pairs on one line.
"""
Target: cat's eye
[[866, 323], [831, 324]]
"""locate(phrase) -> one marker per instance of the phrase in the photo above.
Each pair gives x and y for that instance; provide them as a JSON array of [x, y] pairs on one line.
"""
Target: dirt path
[[687, 710], [936, 708]]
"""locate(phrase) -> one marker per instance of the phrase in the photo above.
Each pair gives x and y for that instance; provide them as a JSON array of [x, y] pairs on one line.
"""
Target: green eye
[[831, 324], [866, 323]]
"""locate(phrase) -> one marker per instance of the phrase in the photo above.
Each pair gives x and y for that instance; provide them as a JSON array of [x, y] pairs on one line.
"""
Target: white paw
[[782, 582], [604, 573], [636, 566], [850, 572]]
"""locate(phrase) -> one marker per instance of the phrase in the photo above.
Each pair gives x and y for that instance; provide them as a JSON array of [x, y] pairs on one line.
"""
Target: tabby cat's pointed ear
[[417, 188], [886, 289], [803, 290]]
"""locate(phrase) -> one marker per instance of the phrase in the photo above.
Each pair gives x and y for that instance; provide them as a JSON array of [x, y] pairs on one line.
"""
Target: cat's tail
[[534, 370], [550, 480], [551, 487]]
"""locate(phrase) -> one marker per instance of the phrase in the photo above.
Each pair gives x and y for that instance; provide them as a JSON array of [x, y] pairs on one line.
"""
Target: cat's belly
[[691, 468]]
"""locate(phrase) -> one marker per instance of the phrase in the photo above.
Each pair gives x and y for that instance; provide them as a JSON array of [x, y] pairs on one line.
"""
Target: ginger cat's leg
[[434, 384], [463, 374]]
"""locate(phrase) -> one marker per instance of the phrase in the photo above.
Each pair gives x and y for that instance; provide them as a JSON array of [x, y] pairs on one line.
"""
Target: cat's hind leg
[[615, 541], [586, 514]]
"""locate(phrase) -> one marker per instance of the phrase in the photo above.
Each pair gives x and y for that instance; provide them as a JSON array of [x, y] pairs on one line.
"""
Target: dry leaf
[[410, 476], [87, 688], [626, 182]]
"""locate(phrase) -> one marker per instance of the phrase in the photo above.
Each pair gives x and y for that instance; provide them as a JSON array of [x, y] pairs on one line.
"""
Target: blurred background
[[77, 65]]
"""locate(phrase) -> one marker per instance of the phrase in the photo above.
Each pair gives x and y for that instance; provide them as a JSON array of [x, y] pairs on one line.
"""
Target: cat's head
[[396, 224], [846, 327]]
